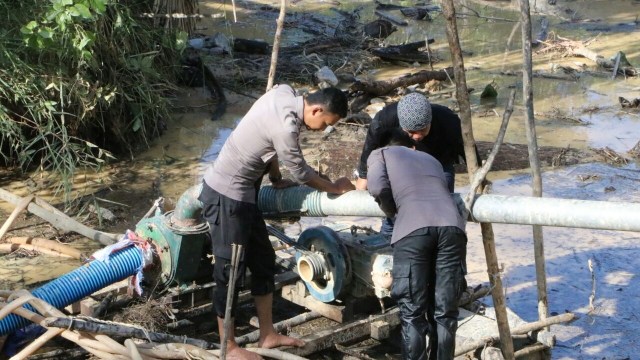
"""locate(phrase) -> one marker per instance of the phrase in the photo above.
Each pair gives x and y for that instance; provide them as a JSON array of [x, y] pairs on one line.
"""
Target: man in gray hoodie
[[429, 244], [266, 135]]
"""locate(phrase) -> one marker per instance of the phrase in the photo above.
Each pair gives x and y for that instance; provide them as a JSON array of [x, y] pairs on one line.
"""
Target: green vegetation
[[81, 81]]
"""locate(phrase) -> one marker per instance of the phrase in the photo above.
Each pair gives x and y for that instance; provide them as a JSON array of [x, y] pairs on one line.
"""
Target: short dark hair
[[396, 137], [333, 99]]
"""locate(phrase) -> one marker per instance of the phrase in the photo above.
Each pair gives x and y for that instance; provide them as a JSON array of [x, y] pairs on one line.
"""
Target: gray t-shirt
[[419, 188], [268, 132]]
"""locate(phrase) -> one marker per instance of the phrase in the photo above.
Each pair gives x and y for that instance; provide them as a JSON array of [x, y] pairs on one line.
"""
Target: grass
[[82, 82]]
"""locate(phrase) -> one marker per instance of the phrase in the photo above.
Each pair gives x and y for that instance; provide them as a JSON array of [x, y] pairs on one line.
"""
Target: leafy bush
[[81, 81]]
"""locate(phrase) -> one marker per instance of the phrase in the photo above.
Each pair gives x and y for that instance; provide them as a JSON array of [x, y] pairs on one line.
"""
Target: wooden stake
[[236, 255], [527, 92], [22, 204], [462, 94], [276, 44]]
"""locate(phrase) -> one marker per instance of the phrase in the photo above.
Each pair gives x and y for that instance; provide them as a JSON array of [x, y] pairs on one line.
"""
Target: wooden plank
[[344, 333], [297, 294]]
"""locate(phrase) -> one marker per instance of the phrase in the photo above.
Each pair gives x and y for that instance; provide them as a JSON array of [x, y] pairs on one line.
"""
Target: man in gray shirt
[[267, 134], [429, 244]]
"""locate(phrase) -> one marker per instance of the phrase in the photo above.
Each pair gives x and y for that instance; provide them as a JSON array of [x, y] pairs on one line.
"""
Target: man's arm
[[340, 186]]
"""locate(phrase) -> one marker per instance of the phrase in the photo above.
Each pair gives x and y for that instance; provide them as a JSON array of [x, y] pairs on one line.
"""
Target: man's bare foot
[[275, 340], [238, 353]]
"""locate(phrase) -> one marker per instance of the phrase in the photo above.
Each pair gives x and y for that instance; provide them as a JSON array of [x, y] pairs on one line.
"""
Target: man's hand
[[361, 184], [344, 184], [283, 183]]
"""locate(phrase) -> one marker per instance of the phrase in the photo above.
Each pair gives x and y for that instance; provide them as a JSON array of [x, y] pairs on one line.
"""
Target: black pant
[[428, 277], [237, 222]]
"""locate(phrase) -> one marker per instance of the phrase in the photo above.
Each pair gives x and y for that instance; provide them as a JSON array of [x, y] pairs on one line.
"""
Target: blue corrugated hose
[[80, 283]]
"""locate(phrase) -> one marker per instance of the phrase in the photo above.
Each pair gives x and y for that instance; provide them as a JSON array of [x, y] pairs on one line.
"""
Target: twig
[[592, 296], [481, 174], [236, 255], [345, 350]]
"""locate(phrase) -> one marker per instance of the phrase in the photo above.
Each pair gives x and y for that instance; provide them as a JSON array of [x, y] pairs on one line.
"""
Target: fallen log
[[407, 52], [123, 331], [40, 243], [383, 87], [393, 19], [601, 61], [9, 248]]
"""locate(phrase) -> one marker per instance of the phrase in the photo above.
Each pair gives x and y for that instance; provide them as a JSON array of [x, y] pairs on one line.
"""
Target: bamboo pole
[[527, 92], [462, 94], [21, 205], [276, 44], [55, 246]]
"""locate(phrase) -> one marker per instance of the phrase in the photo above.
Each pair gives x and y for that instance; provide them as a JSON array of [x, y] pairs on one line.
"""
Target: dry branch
[[383, 87], [524, 329]]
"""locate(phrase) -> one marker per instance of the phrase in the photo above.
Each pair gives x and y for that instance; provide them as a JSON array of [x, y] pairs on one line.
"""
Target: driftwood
[[393, 19], [383, 87], [524, 329], [250, 46], [379, 29], [418, 13], [611, 156], [407, 52], [121, 330], [579, 48], [543, 74], [54, 247]]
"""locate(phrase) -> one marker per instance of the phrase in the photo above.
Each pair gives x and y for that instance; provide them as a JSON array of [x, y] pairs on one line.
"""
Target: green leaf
[[86, 40], [31, 25], [100, 6], [73, 11], [137, 124], [84, 11], [45, 33], [91, 145]]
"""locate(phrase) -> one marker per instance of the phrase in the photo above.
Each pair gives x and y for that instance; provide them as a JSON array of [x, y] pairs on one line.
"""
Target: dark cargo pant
[[428, 277]]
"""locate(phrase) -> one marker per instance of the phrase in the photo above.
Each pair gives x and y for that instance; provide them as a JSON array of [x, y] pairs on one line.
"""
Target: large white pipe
[[587, 214]]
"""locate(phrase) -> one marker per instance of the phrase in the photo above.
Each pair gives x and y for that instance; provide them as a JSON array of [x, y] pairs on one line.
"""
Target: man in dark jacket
[[429, 245], [435, 129]]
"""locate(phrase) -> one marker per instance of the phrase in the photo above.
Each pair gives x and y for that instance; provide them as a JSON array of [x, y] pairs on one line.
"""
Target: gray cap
[[414, 112]]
